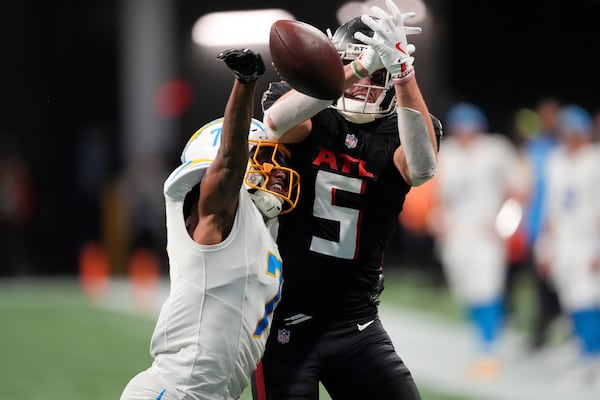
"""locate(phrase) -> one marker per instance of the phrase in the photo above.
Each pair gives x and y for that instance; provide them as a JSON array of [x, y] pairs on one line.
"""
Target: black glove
[[245, 64]]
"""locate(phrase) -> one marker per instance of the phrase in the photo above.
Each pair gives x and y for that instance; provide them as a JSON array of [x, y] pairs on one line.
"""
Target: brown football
[[306, 59]]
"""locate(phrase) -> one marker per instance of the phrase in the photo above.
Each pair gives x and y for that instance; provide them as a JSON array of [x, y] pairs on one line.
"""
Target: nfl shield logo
[[283, 336], [351, 140]]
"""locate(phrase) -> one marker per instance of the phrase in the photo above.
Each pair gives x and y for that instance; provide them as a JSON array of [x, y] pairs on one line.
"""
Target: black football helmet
[[359, 109]]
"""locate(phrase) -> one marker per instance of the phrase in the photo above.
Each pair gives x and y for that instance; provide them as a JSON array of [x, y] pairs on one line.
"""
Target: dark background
[[59, 76]]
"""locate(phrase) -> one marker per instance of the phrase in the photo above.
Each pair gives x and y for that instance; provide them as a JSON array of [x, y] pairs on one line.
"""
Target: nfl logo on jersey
[[351, 141], [283, 336]]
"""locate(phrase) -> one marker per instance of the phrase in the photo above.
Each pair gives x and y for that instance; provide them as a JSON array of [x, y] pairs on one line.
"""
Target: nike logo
[[399, 48], [362, 327], [161, 394]]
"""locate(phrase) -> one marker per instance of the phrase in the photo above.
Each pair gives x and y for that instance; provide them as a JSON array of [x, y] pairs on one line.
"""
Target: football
[[306, 58]]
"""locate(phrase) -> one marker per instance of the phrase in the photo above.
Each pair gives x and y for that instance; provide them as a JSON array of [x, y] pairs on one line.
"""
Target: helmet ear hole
[[255, 179]]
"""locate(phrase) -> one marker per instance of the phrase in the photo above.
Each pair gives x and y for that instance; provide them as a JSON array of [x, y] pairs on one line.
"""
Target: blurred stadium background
[[98, 97], [96, 100]]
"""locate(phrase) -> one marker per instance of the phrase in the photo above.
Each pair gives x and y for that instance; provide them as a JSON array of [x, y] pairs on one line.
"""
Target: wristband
[[404, 76], [356, 72]]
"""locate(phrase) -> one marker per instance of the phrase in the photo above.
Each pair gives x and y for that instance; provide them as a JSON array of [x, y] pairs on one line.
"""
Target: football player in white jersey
[[570, 244], [222, 204], [477, 173]]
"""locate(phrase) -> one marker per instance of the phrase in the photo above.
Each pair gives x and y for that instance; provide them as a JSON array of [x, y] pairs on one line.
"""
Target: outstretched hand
[[389, 40], [245, 64]]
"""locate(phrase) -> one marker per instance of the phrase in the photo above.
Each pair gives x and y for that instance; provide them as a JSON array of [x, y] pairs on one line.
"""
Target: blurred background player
[[478, 172], [358, 158], [569, 250], [537, 149], [525, 123], [225, 267]]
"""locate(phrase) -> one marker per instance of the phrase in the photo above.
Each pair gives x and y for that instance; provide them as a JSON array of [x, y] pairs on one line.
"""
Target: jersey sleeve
[[183, 179], [273, 92]]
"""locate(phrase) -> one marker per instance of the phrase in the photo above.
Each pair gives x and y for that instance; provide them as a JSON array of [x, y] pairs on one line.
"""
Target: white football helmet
[[358, 104], [197, 155], [201, 149]]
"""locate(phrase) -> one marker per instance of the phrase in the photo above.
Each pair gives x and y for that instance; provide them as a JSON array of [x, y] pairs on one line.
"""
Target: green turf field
[[56, 345]]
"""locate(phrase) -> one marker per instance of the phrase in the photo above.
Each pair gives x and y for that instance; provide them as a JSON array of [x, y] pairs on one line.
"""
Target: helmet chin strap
[[267, 203]]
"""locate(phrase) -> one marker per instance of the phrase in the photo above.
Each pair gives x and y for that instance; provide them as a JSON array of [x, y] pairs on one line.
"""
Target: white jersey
[[212, 329], [473, 183], [573, 215], [475, 180]]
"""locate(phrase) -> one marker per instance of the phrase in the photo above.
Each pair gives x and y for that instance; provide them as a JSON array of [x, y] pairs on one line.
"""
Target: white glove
[[370, 60], [389, 40]]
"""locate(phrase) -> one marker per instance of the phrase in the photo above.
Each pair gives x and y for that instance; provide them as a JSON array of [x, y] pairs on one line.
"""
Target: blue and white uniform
[[573, 215], [473, 184], [478, 174], [212, 329], [570, 244]]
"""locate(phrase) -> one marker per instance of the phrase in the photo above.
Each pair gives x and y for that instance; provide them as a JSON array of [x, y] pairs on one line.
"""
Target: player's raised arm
[[416, 157], [220, 187], [288, 118]]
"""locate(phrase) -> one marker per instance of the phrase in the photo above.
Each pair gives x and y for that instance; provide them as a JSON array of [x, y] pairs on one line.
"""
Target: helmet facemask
[[272, 194], [360, 104]]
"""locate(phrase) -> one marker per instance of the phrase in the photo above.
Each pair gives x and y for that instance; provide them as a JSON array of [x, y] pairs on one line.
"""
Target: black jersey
[[351, 195]]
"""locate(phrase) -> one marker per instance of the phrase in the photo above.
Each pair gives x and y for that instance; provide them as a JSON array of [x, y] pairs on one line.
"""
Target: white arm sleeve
[[418, 150], [290, 111]]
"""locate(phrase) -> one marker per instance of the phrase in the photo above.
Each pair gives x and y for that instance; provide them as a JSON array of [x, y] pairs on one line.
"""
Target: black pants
[[547, 310], [353, 360]]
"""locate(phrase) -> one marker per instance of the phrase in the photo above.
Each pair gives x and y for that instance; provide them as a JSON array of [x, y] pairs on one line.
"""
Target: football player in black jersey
[[358, 158]]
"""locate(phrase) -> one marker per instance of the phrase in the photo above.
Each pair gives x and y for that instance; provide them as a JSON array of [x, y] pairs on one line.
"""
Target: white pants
[[578, 286], [147, 385], [475, 265]]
